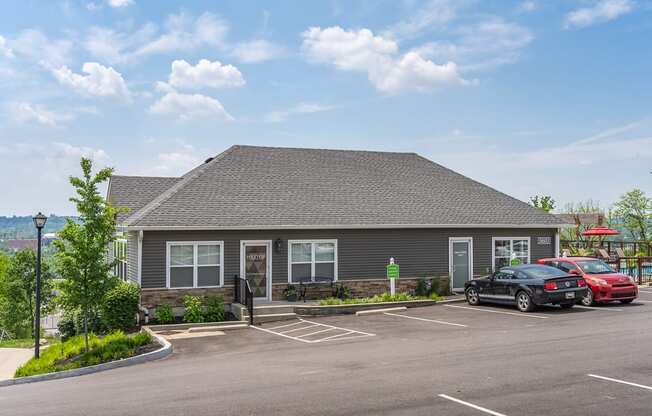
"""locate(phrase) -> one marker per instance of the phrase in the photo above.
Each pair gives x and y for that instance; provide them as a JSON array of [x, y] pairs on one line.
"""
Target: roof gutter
[[333, 227]]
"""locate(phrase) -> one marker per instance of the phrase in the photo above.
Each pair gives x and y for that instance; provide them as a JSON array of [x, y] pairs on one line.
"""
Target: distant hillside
[[23, 227]]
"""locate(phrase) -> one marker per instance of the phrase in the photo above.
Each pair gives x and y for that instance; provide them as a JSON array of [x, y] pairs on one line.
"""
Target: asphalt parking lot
[[442, 360]]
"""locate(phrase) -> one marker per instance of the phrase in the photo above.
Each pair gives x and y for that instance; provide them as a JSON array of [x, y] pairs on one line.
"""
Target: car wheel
[[472, 296], [567, 305], [524, 302], [588, 299], [627, 301]]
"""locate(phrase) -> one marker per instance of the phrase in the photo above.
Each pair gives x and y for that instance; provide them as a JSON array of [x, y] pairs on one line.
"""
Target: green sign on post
[[392, 271]]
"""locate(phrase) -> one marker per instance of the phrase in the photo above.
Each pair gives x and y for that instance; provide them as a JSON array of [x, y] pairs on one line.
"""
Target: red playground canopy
[[600, 231]]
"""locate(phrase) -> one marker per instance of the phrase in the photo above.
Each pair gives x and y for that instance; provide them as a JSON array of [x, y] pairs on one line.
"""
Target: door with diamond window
[[256, 267]]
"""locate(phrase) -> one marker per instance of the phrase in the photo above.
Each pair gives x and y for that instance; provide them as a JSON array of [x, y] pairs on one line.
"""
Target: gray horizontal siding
[[362, 254]]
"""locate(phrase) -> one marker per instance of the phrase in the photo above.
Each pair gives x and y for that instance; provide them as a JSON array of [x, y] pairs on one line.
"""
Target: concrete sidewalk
[[11, 359]]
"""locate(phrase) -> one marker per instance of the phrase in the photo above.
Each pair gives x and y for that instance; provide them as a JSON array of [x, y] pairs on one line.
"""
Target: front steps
[[265, 313]]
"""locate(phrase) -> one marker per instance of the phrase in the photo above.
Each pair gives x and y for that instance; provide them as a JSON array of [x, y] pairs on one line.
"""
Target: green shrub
[[214, 308], [193, 312], [163, 314], [342, 292], [70, 354], [385, 297], [66, 326], [423, 288], [121, 306], [72, 323]]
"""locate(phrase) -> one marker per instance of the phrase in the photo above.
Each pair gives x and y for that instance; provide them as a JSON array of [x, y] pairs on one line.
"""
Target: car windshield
[[594, 267]]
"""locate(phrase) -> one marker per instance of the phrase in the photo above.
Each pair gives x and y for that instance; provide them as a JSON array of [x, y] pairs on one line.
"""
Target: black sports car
[[527, 286]]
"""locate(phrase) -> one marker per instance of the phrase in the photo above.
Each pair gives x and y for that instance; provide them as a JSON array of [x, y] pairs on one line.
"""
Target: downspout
[[557, 242]]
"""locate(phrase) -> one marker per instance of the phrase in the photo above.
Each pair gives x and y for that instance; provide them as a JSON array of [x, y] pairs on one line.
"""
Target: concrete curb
[[216, 328], [164, 351], [181, 327], [372, 311], [325, 310]]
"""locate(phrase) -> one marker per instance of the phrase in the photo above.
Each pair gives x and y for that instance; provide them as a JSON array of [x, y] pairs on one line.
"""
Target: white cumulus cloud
[[257, 50], [204, 74], [600, 12], [302, 108], [99, 80], [432, 14], [387, 70], [190, 106], [33, 45], [119, 3], [4, 49], [181, 33], [488, 43], [23, 112]]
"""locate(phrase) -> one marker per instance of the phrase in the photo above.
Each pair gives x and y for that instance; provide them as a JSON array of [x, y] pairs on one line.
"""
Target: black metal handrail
[[243, 295]]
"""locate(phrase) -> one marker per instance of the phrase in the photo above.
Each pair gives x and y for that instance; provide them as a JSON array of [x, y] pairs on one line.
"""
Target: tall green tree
[[18, 293], [82, 246], [543, 202], [634, 210]]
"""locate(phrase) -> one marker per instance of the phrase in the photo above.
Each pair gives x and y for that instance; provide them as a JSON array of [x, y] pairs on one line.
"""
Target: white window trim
[[314, 261], [195, 266], [493, 248]]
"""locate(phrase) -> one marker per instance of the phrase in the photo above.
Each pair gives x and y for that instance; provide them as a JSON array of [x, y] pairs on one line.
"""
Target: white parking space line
[[315, 333], [298, 329], [608, 309], [425, 319], [620, 381], [522, 315], [284, 326], [471, 405], [346, 333]]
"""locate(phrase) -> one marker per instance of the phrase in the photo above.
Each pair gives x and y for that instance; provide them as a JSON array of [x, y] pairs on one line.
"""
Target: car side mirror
[[573, 271], [492, 277]]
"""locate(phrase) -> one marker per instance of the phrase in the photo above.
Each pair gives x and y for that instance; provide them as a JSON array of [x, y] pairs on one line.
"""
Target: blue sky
[[530, 97]]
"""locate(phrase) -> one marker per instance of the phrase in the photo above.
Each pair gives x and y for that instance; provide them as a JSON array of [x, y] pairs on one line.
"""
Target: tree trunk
[[86, 328]]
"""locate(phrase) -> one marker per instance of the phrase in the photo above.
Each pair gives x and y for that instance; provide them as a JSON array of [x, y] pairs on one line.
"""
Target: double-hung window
[[195, 264], [120, 258], [312, 260], [510, 250]]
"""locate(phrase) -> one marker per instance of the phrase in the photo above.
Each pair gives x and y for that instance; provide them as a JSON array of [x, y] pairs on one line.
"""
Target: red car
[[606, 284]]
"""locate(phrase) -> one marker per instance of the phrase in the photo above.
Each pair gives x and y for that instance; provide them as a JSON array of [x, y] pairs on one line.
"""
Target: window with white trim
[[195, 264], [312, 260], [120, 258], [508, 250]]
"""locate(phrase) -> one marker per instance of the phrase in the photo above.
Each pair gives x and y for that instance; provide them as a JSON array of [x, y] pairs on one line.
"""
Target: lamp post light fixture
[[39, 223]]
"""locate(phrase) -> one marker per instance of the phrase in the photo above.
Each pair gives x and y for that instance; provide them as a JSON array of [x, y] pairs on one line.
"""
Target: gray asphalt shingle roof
[[268, 187], [134, 192]]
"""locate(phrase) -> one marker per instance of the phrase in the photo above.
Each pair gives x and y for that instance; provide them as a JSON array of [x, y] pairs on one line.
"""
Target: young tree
[[634, 209], [544, 202], [82, 247], [18, 289]]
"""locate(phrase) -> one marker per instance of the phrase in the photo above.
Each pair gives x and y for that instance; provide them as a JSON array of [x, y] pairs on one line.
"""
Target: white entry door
[[460, 262]]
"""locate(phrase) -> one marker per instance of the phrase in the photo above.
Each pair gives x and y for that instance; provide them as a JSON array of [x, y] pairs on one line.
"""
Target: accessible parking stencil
[[313, 332]]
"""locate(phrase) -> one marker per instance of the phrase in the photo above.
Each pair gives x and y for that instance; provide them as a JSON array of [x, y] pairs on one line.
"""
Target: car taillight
[[581, 283], [550, 286]]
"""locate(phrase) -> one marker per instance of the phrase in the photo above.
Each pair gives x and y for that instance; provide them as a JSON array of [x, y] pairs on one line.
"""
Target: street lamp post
[[39, 222]]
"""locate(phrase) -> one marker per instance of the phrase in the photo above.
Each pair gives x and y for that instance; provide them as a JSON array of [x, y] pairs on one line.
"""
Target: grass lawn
[[17, 343], [70, 354], [385, 297]]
